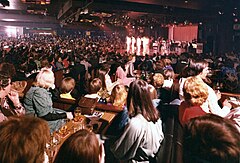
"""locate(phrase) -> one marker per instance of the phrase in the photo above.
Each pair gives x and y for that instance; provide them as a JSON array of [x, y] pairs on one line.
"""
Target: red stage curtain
[[185, 33]]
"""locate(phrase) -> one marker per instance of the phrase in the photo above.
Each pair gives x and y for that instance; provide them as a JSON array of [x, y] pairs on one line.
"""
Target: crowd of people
[[97, 67]]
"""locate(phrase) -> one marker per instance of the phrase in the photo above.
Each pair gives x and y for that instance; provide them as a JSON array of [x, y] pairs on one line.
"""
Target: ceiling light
[[9, 20]]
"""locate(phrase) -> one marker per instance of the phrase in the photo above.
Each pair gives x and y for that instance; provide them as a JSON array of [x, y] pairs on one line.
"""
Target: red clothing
[[187, 112], [65, 63]]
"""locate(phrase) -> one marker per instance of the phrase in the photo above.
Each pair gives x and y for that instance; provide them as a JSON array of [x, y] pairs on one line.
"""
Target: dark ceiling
[[114, 12]]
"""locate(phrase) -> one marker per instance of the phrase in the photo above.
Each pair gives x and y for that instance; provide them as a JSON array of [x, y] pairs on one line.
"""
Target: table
[[93, 123]]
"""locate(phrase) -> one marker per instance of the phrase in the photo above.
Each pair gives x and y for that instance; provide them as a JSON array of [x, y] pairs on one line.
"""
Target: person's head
[[168, 74], [58, 58], [158, 80], [139, 101], [167, 62], [82, 146], [9, 68], [211, 138], [102, 73], [45, 79], [5, 84], [195, 91], [198, 67], [152, 91], [23, 139], [119, 95], [45, 63], [67, 85], [95, 85]]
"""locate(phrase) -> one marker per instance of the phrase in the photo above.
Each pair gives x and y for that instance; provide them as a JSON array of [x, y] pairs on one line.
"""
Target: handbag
[[87, 105]]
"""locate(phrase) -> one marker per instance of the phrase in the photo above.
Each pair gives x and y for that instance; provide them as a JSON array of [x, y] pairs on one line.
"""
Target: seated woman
[[157, 82], [66, 87], [107, 84], [23, 139], [143, 134], [94, 87], [211, 138], [122, 75], [10, 104], [38, 101], [195, 94], [82, 146], [200, 69], [170, 88], [119, 98]]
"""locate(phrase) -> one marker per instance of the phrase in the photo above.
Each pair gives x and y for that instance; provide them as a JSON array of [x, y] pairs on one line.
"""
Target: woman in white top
[[199, 68], [143, 133], [107, 83]]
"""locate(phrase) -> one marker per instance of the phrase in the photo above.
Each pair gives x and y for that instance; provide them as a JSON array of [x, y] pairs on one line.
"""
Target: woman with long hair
[[143, 134]]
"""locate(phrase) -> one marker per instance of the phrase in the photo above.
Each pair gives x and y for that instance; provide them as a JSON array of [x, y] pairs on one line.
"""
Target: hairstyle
[[195, 91], [196, 67], [9, 68], [23, 139], [83, 146], [45, 63], [67, 85], [102, 72], [130, 57], [95, 85], [4, 79], [152, 91], [167, 62], [158, 80], [168, 74], [45, 78], [211, 138], [119, 95], [139, 101], [159, 65]]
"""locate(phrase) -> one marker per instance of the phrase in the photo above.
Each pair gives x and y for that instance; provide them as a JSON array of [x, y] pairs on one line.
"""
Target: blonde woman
[[119, 98], [38, 101], [119, 95], [195, 94]]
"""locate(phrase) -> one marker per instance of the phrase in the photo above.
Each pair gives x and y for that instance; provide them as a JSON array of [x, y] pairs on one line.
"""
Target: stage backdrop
[[183, 33]]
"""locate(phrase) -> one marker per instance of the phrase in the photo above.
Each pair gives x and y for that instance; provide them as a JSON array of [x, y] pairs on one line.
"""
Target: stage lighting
[[4, 3]]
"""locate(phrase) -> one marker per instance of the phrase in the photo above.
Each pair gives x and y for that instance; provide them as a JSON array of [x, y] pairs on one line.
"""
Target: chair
[[171, 149], [65, 104], [58, 78]]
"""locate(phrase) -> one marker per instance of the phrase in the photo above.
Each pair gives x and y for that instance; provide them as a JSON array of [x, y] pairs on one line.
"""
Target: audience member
[[66, 87], [211, 138], [23, 139], [10, 103], [200, 68], [107, 83], [119, 96], [122, 74], [82, 146], [195, 94], [94, 87], [143, 134], [38, 101]]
